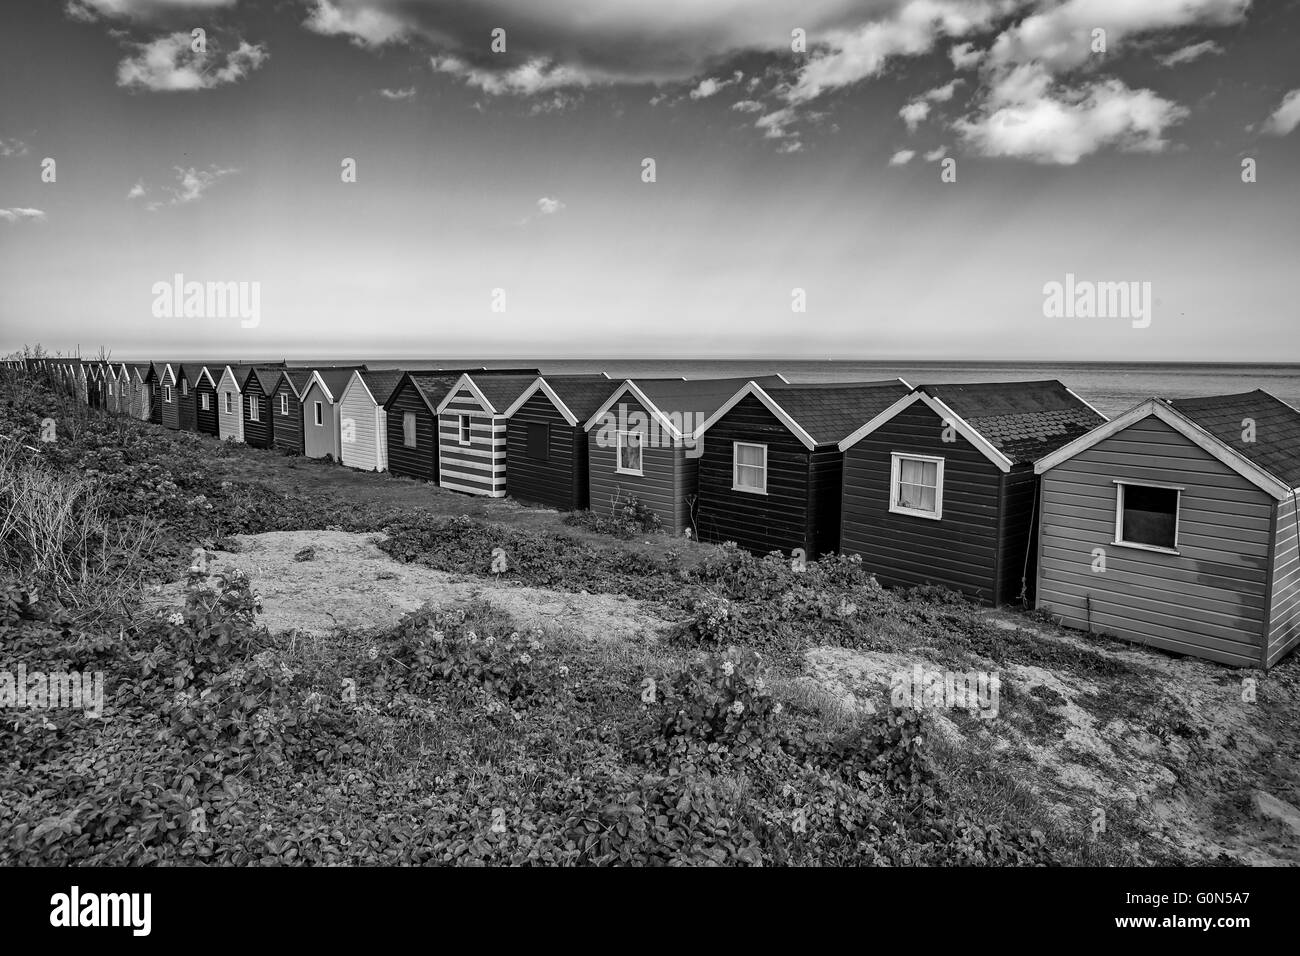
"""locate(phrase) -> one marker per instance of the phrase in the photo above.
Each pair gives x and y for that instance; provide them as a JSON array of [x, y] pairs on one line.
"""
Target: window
[[749, 467], [462, 430], [539, 441], [203, 401], [167, 394], [408, 429], [254, 409], [1146, 516], [185, 388], [284, 404], [229, 407], [629, 453], [916, 486], [320, 420]]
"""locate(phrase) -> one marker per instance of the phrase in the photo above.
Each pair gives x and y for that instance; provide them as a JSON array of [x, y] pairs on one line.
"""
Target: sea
[[1110, 387]]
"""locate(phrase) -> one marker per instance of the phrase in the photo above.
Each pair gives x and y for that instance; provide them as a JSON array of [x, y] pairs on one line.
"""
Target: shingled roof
[[381, 383], [335, 379], [1022, 420], [1276, 445], [830, 412], [581, 394]]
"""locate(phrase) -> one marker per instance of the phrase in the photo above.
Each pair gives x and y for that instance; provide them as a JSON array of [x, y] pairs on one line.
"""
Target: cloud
[[535, 76], [1028, 116], [21, 214], [748, 106], [914, 113], [405, 93], [1061, 37], [12, 147], [902, 157], [191, 184], [136, 191], [1189, 53], [964, 55], [144, 11], [549, 207], [1286, 117], [710, 86], [168, 64], [942, 94], [935, 155]]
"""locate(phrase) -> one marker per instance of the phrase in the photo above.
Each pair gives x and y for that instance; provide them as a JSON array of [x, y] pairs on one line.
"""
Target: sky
[[921, 170]]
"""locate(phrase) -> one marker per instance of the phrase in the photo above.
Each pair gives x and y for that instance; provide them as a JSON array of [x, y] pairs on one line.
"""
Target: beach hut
[[1175, 525], [230, 402], [255, 393], [320, 419], [139, 392], [186, 404], [83, 382], [153, 382], [121, 373], [546, 444], [286, 409], [771, 467], [411, 413], [363, 423], [940, 488], [641, 443], [168, 398], [472, 432], [205, 398]]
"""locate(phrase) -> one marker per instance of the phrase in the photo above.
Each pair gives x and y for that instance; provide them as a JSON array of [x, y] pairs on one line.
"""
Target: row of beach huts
[[1174, 524]]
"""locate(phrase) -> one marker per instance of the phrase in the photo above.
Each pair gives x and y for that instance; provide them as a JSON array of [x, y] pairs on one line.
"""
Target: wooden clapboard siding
[[259, 432], [286, 409], [1284, 593], [558, 480], [780, 520], [665, 476], [169, 401], [154, 387], [230, 414], [1210, 599], [319, 441], [185, 400], [825, 499], [206, 419], [1017, 556], [420, 461], [959, 550], [478, 468], [361, 435]]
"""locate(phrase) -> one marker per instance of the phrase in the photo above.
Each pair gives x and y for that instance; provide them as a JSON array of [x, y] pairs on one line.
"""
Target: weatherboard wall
[[185, 402], [1210, 598], [959, 550], [560, 478], [258, 431], [205, 419], [362, 434], [667, 476], [319, 441], [478, 468], [421, 460], [1284, 593], [230, 414], [286, 431]]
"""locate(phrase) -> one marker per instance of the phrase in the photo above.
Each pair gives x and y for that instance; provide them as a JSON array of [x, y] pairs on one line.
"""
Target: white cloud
[[192, 183], [935, 155], [405, 93], [535, 76], [168, 64], [748, 106], [942, 94], [136, 191], [914, 113], [144, 11], [1026, 116], [902, 157], [548, 207], [366, 25], [964, 55], [12, 147], [21, 214], [1191, 52], [1286, 117], [711, 86]]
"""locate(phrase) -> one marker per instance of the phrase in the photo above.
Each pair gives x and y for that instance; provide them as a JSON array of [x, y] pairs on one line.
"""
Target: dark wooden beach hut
[[185, 399], [169, 399], [1175, 525], [641, 443], [255, 391], [205, 397], [286, 409], [940, 488], [412, 421], [472, 432], [771, 467], [546, 444]]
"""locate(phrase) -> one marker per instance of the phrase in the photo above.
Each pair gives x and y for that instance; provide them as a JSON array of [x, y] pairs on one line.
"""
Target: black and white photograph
[[558, 434]]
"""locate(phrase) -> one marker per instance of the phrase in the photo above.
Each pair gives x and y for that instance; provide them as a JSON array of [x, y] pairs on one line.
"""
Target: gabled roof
[[332, 381], [575, 397], [495, 393], [819, 414], [237, 372], [266, 378], [166, 373], [296, 377], [430, 387], [1011, 423], [1276, 433], [1261, 478], [665, 397], [380, 384]]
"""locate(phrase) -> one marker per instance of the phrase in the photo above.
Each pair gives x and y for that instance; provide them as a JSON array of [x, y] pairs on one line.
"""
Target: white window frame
[[284, 403], [205, 405], [229, 403], [736, 466], [185, 388], [318, 413], [895, 460], [409, 441], [463, 429], [167, 394], [1120, 485], [254, 409], [618, 453]]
